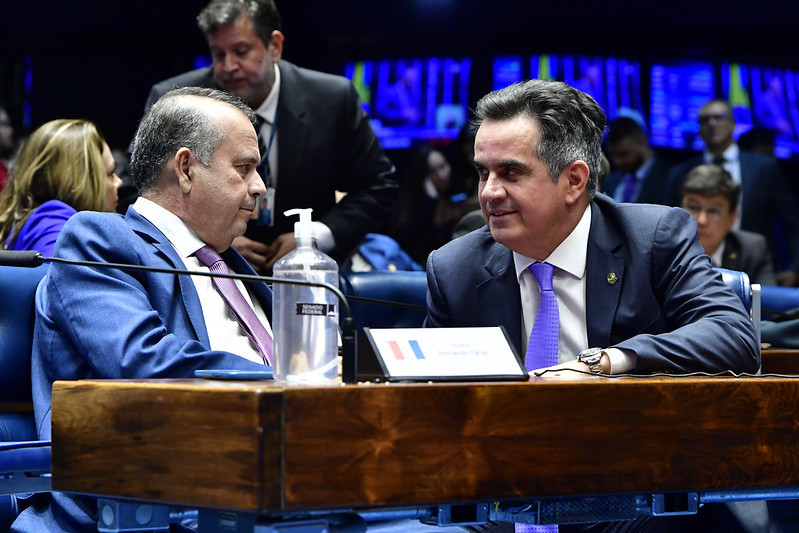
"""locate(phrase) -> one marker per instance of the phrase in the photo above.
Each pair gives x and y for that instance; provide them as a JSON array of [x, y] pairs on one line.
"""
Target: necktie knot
[[719, 161], [543, 274], [210, 258]]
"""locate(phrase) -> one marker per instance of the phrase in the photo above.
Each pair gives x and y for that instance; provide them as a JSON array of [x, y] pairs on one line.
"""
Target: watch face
[[591, 355]]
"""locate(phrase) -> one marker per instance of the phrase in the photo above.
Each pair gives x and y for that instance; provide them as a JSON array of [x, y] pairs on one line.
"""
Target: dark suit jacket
[[668, 305], [653, 186], [106, 323], [747, 251], [766, 197], [326, 144]]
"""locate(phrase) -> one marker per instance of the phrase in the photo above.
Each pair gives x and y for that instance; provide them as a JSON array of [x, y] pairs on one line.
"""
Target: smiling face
[[221, 197], [243, 64], [526, 211]]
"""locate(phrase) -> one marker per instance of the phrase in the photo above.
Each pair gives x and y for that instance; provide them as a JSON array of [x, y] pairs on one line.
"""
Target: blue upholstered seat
[[399, 287], [17, 291]]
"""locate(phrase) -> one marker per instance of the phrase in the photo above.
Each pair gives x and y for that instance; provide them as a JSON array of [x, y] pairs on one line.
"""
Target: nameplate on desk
[[445, 354]]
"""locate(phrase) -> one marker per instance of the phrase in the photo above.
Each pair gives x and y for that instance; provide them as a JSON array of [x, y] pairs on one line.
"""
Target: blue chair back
[[17, 292], [739, 282], [399, 287]]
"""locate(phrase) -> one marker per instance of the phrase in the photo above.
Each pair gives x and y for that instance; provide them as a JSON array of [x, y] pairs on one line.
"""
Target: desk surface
[[257, 446]]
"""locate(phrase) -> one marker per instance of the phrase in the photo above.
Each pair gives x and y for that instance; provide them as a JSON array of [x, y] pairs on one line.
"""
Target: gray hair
[[571, 123], [263, 13], [172, 123]]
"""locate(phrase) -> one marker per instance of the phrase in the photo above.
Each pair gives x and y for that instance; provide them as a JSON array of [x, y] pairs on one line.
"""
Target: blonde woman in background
[[65, 166]]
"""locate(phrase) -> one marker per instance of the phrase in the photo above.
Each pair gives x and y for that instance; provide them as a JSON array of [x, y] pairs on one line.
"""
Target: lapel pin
[[612, 278]]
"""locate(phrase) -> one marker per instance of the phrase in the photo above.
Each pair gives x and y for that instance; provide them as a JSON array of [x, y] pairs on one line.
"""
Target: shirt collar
[[730, 155], [569, 256], [183, 239], [268, 107]]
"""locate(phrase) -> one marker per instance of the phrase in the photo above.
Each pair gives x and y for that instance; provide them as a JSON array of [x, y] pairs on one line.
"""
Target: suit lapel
[[292, 126], [604, 278], [165, 254], [499, 297]]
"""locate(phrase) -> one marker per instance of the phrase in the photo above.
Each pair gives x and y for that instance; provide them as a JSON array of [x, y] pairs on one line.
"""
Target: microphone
[[32, 259]]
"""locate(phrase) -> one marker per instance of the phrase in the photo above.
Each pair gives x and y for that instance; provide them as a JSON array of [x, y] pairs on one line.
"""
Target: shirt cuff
[[324, 237], [621, 361]]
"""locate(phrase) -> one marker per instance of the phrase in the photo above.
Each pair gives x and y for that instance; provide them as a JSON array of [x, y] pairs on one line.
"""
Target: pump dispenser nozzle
[[303, 228]]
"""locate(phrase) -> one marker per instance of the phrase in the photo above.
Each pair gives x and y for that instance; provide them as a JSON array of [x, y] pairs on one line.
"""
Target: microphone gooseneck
[[32, 259]]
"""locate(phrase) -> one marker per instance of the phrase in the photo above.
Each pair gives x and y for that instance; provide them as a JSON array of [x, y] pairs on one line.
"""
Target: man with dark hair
[[711, 196], [629, 280], [638, 175], [195, 162], [766, 201], [314, 135]]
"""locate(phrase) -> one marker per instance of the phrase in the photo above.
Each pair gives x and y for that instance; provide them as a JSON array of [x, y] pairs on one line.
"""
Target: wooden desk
[[780, 361], [254, 446]]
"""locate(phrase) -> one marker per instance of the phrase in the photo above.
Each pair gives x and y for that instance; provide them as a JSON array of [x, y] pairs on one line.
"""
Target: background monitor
[[765, 98], [613, 82], [677, 91], [413, 99]]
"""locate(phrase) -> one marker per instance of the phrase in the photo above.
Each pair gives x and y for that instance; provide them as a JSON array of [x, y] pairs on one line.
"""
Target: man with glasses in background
[[765, 194], [711, 196]]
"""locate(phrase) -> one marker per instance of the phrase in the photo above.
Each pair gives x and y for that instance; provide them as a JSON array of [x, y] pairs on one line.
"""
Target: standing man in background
[[765, 196], [315, 138]]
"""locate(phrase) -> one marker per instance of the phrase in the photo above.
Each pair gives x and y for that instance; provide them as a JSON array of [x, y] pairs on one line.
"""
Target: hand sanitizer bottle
[[305, 319]]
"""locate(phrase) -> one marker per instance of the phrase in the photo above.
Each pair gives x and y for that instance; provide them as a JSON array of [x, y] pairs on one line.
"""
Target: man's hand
[[571, 365], [254, 252], [280, 247]]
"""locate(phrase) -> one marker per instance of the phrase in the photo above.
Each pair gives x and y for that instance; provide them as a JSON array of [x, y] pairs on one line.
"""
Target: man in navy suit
[[315, 137], [195, 165], [639, 175], [766, 200], [630, 279]]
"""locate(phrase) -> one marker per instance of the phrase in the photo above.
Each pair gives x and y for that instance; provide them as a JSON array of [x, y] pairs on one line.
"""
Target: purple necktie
[[242, 310], [542, 351], [630, 185]]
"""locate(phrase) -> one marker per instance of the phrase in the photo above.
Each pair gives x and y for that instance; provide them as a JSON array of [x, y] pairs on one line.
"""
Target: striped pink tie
[[244, 313]]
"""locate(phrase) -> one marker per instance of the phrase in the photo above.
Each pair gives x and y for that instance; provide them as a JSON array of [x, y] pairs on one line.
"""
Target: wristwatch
[[593, 358]]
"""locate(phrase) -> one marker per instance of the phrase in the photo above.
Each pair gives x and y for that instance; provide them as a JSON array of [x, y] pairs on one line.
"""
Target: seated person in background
[[629, 279], [711, 196], [431, 202], [767, 202], [194, 160], [639, 175], [65, 166]]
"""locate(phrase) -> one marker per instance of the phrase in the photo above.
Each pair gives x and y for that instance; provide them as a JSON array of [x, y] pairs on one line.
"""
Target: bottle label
[[316, 309]]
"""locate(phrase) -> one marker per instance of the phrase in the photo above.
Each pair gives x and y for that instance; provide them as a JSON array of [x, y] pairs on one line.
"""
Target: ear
[[275, 46], [575, 177], [184, 161]]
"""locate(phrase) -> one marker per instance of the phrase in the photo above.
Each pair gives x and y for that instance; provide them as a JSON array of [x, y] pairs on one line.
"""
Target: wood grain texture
[[409, 444], [195, 442]]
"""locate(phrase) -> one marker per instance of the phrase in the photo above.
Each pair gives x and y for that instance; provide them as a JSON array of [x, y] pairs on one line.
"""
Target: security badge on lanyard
[[266, 203]]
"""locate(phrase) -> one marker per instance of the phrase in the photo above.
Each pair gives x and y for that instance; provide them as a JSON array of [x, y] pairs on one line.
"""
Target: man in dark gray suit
[[315, 138], [711, 196], [766, 199], [630, 280]]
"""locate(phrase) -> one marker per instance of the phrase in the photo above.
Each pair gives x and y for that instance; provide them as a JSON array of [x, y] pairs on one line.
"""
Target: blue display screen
[[764, 97], [677, 91], [413, 99]]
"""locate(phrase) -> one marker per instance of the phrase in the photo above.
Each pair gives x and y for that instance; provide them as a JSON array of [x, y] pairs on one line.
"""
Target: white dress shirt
[[568, 284], [224, 332]]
